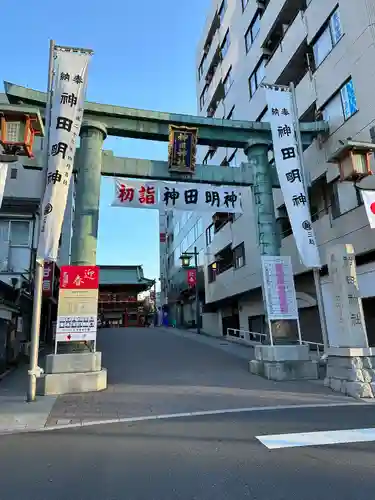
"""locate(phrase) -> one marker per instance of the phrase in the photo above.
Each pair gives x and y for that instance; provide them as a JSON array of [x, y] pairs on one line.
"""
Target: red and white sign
[[48, 276], [192, 277], [77, 311], [79, 277], [163, 237], [369, 202]]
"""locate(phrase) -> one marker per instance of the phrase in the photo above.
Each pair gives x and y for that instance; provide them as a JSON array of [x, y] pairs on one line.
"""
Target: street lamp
[[185, 262], [18, 127], [353, 160]]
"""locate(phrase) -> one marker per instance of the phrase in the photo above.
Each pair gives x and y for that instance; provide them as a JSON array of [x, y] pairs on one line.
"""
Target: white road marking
[[277, 441], [169, 416], [6, 430]]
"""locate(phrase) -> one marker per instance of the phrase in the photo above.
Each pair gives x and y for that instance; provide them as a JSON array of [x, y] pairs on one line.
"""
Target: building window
[[230, 114], [244, 4], [225, 45], [13, 173], [206, 158], [284, 222], [232, 160], [256, 77], [222, 10], [20, 233], [202, 98], [239, 256], [329, 37], [201, 66], [263, 116], [257, 324], [228, 80], [15, 243], [341, 106], [344, 196], [252, 31], [209, 234]]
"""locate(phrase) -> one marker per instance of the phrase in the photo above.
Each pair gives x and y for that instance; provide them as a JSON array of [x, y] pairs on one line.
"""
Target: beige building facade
[[325, 49]]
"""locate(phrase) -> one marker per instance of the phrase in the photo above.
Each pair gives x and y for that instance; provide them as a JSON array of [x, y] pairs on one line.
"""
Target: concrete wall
[[211, 324]]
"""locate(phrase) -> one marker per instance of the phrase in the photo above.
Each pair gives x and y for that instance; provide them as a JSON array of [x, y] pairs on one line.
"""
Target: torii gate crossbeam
[[101, 120]]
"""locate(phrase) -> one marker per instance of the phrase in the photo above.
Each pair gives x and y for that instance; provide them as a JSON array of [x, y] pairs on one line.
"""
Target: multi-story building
[[19, 228], [324, 48]]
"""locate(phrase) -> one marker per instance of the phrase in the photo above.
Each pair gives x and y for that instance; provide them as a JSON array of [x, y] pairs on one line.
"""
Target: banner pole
[[316, 273], [34, 370]]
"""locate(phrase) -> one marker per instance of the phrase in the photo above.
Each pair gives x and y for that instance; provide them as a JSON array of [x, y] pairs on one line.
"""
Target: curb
[[8, 372]]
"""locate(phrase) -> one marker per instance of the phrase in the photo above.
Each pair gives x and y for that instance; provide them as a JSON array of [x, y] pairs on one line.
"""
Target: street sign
[[78, 304], [279, 288]]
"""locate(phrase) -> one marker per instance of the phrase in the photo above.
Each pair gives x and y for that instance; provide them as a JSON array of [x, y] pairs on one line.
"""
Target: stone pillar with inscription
[[350, 362], [286, 359]]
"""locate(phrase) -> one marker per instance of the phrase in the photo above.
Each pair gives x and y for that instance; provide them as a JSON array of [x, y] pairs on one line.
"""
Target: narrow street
[[194, 441], [156, 371]]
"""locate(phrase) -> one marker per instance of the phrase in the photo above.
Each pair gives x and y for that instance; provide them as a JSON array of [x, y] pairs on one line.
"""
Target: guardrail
[[256, 338], [253, 338]]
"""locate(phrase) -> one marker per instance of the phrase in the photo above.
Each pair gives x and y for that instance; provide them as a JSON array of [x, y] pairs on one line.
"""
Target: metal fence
[[255, 338]]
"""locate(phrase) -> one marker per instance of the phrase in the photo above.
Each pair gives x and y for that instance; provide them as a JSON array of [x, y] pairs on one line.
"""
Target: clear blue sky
[[144, 58]]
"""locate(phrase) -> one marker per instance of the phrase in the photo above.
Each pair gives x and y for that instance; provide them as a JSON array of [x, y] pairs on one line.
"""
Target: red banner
[[79, 277], [192, 277], [48, 275], [163, 237]]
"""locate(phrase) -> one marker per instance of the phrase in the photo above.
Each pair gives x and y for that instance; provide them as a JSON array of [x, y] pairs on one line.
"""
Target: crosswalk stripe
[[278, 441]]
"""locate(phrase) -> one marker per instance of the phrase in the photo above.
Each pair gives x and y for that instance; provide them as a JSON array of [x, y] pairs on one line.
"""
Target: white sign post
[[279, 291], [66, 94]]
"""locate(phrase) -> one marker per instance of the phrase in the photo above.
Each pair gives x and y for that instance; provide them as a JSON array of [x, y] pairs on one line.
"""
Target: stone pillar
[[75, 371], [269, 240], [86, 220], [257, 154], [350, 363], [285, 360]]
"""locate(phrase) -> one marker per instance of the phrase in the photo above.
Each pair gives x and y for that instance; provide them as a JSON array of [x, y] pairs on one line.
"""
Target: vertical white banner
[[290, 174], [70, 81], [3, 178]]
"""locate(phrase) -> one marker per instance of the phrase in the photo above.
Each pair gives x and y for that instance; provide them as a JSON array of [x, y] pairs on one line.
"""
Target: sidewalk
[[15, 413]]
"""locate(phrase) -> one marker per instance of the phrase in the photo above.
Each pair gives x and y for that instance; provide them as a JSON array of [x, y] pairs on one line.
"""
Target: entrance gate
[[91, 162]]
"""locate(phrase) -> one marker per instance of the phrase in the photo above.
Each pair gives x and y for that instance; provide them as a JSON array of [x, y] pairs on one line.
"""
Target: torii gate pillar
[[86, 217]]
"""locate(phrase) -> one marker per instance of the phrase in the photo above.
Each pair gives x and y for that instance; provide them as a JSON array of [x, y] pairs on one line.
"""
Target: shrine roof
[[124, 275]]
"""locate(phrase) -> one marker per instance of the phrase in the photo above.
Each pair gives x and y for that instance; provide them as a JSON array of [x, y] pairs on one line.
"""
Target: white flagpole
[[34, 370], [318, 286]]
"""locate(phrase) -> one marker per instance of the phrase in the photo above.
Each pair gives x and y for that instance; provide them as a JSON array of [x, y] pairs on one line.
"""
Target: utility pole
[[34, 370], [316, 270], [197, 304]]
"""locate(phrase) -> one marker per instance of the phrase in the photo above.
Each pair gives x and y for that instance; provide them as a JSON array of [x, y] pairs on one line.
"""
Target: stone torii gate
[[100, 120]]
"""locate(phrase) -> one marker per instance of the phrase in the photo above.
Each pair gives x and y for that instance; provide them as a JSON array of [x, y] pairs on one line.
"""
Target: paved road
[[202, 458], [219, 455], [155, 371]]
